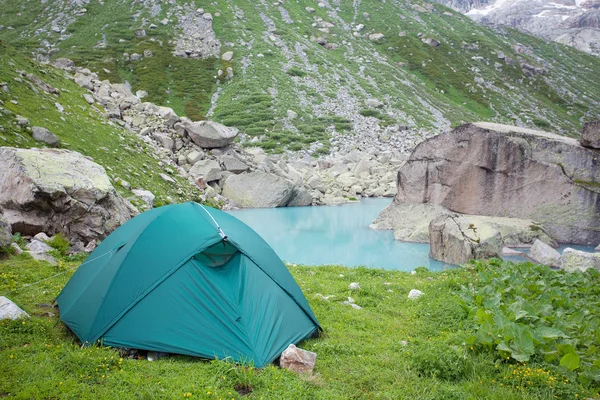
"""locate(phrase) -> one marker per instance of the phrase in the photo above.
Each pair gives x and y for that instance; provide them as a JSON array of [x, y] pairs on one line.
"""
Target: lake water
[[335, 235], [341, 235]]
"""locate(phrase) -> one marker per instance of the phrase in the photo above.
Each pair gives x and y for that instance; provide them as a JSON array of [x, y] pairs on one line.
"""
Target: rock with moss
[[498, 170], [575, 260], [51, 190]]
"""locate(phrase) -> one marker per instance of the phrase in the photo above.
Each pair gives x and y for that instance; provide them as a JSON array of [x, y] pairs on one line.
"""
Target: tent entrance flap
[[217, 255]]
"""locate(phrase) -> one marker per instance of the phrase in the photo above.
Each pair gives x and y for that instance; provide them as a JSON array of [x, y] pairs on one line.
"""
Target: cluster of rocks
[[483, 186], [197, 38], [205, 152]]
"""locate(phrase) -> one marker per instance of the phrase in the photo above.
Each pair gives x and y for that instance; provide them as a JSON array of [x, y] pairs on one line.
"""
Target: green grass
[[393, 348]]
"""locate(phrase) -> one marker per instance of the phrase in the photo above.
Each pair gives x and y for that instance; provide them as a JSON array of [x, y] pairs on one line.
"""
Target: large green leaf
[[570, 361], [549, 333], [522, 345]]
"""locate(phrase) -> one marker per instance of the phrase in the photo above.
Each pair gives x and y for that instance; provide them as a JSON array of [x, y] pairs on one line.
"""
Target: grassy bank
[[392, 348]]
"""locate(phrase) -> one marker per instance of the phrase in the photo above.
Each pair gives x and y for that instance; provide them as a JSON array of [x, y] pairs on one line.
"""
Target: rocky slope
[[572, 22], [315, 77]]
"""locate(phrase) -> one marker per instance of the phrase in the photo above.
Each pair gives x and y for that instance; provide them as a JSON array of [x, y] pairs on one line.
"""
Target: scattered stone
[[145, 195], [227, 56], [376, 37], [16, 249], [507, 251], [541, 253], [354, 286], [166, 178], [292, 114], [232, 164], [9, 310], [374, 103], [88, 98], [431, 42], [42, 256], [38, 246], [298, 360], [574, 260], [415, 294], [44, 135], [208, 170], [140, 33]]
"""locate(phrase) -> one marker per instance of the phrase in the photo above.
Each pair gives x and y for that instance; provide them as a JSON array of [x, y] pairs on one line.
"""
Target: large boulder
[[454, 240], [51, 190], [258, 189], [498, 170], [541, 253], [209, 134], [575, 260], [43, 135], [590, 135]]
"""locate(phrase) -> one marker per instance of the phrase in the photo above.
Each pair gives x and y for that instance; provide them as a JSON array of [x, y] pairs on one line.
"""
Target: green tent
[[187, 279]]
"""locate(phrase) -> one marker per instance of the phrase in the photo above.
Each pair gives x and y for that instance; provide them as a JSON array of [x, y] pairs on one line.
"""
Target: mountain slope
[[301, 73]]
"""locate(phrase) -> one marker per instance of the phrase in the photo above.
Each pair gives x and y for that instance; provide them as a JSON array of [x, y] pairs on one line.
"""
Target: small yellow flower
[[12, 356], [60, 383]]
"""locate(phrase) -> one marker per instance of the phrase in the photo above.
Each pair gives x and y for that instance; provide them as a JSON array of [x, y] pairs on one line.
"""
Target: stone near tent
[[209, 134], [298, 360], [574, 260], [9, 310], [51, 190], [43, 256], [146, 196], [541, 253], [258, 189]]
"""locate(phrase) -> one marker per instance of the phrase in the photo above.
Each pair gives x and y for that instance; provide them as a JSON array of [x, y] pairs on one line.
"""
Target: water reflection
[[335, 235]]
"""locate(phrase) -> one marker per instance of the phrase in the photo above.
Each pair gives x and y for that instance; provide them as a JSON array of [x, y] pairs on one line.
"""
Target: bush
[[60, 244], [438, 359]]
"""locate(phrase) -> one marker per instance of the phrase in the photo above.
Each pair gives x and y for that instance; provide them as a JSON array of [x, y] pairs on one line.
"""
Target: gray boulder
[[9, 310], [454, 240], [590, 135], [38, 246], [50, 190], [499, 170], [541, 253], [232, 164], [574, 260], [209, 170], [300, 198], [44, 135], [5, 232], [209, 134], [258, 189], [146, 196], [298, 360], [84, 81]]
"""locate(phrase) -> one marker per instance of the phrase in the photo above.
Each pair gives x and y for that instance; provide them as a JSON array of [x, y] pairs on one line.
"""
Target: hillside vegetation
[[80, 127], [435, 347], [322, 64]]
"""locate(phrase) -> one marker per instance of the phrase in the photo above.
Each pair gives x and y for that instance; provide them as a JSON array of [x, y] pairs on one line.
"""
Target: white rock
[[541, 253], [38, 246], [145, 195], [415, 294], [227, 56], [9, 310], [42, 237], [354, 286]]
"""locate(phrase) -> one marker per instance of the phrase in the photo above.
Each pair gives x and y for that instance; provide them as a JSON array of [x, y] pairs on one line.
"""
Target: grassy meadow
[[490, 330]]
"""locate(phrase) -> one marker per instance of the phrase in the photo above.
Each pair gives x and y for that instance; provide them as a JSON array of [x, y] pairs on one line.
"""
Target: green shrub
[[540, 123], [296, 72], [438, 359], [59, 243]]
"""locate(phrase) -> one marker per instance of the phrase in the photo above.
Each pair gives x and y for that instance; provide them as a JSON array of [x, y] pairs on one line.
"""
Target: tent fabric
[[168, 281]]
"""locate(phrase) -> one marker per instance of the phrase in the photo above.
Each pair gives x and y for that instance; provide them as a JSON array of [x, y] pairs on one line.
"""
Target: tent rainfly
[[188, 279]]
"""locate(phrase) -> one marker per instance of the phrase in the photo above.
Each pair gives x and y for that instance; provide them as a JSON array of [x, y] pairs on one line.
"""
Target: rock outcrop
[[497, 170], [50, 190], [590, 135]]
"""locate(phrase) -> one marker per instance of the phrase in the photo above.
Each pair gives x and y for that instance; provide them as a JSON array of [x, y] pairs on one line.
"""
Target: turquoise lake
[[335, 235]]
